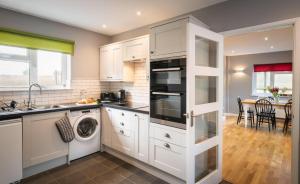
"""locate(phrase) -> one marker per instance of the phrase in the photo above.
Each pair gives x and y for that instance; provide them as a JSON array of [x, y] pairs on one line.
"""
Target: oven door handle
[[167, 94], [166, 69]]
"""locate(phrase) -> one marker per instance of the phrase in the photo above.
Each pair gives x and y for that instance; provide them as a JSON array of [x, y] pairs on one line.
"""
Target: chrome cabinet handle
[[121, 131], [164, 93], [122, 123], [167, 135], [167, 145]]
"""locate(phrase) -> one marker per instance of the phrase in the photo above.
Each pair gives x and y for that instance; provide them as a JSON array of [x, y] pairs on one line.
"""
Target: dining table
[[250, 104]]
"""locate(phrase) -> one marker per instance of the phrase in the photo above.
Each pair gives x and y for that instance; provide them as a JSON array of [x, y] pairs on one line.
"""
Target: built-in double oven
[[168, 92]]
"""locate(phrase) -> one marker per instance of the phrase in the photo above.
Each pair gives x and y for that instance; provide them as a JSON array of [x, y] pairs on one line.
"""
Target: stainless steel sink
[[42, 107]]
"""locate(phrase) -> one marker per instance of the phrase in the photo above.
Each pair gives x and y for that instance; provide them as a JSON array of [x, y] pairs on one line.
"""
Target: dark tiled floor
[[95, 169], [98, 168]]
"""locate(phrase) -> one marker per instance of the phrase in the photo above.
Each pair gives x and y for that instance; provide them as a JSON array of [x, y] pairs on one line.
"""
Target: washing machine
[[86, 126]]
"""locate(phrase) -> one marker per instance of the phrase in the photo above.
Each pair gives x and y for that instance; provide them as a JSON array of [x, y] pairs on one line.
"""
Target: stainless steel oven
[[168, 92]]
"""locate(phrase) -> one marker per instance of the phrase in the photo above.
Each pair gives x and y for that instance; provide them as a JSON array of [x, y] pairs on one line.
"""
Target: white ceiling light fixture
[[138, 13], [233, 51], [266, 38], [104, 26], [272, 47]]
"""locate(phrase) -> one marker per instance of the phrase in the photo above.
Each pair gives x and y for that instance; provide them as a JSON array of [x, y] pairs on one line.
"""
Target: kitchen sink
[[42, 107]]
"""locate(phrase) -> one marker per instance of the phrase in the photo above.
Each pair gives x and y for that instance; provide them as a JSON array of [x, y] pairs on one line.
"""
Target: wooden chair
[[265, 113], [241, 113], [288, 116]]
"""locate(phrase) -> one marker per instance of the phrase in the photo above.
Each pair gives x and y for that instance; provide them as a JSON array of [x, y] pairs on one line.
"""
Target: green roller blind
[[33, 41]]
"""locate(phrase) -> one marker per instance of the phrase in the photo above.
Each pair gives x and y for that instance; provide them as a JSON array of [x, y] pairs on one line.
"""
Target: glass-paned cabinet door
[[204, 90]]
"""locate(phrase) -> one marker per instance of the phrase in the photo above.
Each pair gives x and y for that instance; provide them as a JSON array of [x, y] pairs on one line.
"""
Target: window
[[282, 80], [21, 67]]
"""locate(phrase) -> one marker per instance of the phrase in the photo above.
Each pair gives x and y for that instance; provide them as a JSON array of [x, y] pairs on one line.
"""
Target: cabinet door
[[117, 62], [168, 40], [136, 49], [123, 140], [106, 63], [141, 127], [106, 126], [168, 157], [41, 139], [11, 152]]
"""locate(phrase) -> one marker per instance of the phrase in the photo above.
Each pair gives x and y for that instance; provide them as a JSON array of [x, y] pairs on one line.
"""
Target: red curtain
[[278, 67]]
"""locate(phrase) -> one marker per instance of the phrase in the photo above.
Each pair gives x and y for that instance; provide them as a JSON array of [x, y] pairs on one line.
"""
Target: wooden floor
[[255, 157]]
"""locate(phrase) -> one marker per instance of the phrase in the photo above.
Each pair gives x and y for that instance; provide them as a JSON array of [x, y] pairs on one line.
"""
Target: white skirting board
[[145, 167]]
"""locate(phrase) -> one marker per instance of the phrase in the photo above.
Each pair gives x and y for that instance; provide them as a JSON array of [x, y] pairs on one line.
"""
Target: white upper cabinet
[[112, 67], [137, 49], [168, 40]]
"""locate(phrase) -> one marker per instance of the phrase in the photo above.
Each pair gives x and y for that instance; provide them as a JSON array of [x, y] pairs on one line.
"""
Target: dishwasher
[[10, 151]]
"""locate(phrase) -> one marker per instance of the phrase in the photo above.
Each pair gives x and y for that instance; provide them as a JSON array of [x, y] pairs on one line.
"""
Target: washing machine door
[[86, 128]]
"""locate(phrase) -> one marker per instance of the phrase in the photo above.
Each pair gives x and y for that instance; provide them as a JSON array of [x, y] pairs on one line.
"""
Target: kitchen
[[86, 103]]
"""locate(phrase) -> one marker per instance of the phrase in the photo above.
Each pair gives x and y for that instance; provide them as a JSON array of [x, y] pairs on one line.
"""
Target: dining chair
[[265, 113], [290, 100], [288, 116], [241, 113]]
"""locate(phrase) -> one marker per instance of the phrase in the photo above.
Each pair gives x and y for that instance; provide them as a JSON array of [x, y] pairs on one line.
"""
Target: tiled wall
[[91, 88], [138, 91]]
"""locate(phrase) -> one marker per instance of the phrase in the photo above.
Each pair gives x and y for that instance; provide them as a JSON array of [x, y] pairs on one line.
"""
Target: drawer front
[[168, 157], [122, 140], [121, 119], [168, 135]]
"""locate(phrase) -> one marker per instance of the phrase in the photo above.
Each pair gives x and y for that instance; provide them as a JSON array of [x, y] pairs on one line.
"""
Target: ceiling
[[274, 40], [116, 15]]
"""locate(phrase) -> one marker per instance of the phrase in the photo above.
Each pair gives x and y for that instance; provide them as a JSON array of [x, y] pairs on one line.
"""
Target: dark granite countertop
[[4, 115]]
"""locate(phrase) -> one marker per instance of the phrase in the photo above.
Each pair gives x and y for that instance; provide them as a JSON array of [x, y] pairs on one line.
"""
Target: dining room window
[[272, 75]]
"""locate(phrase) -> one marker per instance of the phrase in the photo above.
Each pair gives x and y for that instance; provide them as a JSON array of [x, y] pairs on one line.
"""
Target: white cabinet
[[136, 49], [112, 67], [168, 40], [167, 149], [41, 140], [141, 129], [106, 126], [127, 132], [10, 151]]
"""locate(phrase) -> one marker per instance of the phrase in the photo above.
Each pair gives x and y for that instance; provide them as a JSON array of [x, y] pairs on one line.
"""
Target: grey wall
[[85, 62], [234, 14], [240, 84]]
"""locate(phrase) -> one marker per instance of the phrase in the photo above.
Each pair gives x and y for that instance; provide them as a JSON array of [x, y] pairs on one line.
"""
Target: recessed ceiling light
[[266, 38], [104, 26], [233, 51], [272, 47], [138, 13]]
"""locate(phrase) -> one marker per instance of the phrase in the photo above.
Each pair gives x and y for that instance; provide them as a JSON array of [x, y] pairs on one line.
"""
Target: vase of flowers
[[275, 93]]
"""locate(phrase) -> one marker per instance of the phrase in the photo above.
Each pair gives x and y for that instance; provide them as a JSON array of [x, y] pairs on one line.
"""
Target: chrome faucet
[[29, 93]]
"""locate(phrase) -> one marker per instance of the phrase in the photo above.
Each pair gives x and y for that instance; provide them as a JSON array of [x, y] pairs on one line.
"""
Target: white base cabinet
[[168, 149], [10, 151], [41, 140], [126, 132]]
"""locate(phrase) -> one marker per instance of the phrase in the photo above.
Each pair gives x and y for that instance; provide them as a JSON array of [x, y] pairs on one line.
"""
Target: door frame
[[295, 22]]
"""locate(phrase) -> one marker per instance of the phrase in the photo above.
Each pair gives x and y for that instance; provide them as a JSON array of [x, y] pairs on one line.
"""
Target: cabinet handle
[[122, 123], [167, 145], [152, 52], [121, 131], [122, 114], [133, 57], [167, 135], [135, 115]]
